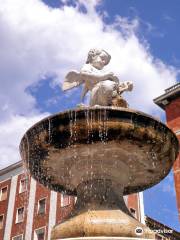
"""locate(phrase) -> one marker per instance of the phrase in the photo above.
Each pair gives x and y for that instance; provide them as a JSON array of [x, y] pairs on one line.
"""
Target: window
[[1, 221], [3, 194], [133, 212], [65, 200], [19, 237], [39, 234], [42, 206], [23, 185], [19, 215], [159, 237]]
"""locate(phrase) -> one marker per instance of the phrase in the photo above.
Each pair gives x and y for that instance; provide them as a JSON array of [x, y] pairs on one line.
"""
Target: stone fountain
[[99, 153]]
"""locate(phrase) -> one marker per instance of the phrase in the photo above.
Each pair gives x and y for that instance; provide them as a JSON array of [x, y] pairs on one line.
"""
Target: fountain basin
[[99, 154], [122, 144]]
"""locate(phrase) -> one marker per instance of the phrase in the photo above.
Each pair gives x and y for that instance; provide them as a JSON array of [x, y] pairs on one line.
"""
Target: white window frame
[[134, 215], [62, 202], [35, 232], [17, 215], [39, 206], [161, 236], [13, 238], [2, 221], [20, 185], [1, 193]]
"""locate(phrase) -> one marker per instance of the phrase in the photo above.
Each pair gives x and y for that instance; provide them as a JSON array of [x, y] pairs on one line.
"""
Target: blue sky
[[42, 40], [160, 20]]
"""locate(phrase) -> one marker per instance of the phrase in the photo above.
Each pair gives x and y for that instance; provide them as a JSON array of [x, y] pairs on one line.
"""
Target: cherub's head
[[98, 58]]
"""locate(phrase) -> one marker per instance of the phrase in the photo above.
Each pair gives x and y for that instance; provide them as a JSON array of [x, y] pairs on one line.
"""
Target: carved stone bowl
[[99, 154]]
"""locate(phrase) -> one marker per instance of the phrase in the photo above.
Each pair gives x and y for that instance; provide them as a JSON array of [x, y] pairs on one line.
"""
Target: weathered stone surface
[[99, 154], [85, 141], [100, 211]]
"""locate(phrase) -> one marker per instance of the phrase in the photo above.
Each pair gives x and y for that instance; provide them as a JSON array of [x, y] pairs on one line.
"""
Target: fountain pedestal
[[100, 210], [99, 154]]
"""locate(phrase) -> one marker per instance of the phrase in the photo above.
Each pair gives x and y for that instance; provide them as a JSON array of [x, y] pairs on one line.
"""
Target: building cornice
[[11, 167], [169, 95], [155, 225]]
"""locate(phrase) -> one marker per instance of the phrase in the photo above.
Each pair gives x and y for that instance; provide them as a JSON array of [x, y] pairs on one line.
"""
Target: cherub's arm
[[125, 86], [87, 72]]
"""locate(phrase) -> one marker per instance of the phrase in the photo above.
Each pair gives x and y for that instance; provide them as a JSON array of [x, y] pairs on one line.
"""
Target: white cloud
[[168, 188], [11, 134], [126, 26], [168, 18], [37, 40], [168, 184]]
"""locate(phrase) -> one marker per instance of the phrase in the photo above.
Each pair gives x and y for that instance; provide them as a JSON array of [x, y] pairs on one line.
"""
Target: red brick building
[[28, 211], [170, 102]]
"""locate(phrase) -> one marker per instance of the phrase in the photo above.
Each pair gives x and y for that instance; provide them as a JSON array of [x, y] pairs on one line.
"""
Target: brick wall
[[20, 201], [173, 114], [41, 220], [173, 121], [132, 203], [63, 212], [4, 205]]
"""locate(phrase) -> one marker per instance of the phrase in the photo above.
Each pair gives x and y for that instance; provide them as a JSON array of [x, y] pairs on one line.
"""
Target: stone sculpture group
[[104, 86]]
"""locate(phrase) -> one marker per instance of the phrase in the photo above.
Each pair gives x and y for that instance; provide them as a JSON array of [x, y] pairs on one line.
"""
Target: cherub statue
[[104, 86]]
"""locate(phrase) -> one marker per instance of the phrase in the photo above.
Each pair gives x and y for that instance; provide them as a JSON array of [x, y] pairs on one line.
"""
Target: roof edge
[[170, 94], [11, 167]]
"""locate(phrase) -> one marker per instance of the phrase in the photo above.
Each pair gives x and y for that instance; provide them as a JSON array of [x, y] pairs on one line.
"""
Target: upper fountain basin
[[130, 148]]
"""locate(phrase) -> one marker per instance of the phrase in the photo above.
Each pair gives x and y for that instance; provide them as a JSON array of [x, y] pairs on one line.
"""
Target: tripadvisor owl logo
[[139, 231]]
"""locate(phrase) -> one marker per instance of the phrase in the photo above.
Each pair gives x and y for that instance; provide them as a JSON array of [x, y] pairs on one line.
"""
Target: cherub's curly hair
[[94, 52]]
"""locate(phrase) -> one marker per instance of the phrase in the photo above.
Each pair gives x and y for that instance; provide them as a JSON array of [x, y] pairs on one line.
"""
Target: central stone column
[[100, 210]]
